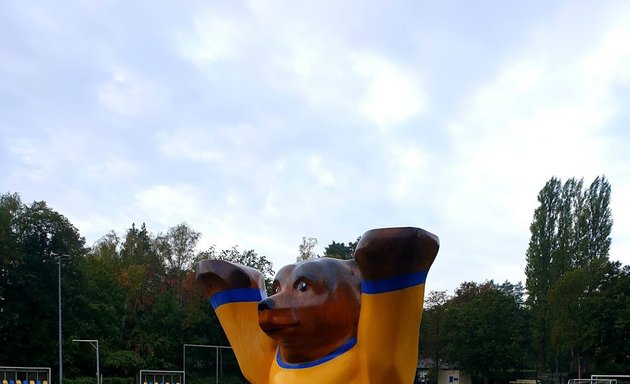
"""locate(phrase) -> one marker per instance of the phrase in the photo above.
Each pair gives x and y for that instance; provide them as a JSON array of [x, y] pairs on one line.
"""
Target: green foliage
[[570, 240], [118, 380], [136, 294], [31, 235], [486, 330], [249, 258], [178, 247], [125, 362], [589, 316], [433, 342], [80, 380], [341, 250]]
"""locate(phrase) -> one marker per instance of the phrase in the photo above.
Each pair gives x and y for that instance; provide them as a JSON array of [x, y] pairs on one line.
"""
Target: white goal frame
[[165, 376], [614, 378], [25, 374], [592, 381]]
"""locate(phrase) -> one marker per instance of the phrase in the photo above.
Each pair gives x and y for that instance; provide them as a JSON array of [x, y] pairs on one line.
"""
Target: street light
[[203, 346], [93, 343], [59, 256]]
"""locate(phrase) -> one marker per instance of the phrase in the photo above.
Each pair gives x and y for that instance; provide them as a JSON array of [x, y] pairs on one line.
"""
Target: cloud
[[392, 95], [113, 166], [215, 36], [24, 149], [169, 204], [409, 171], [191, 144], [260, 122], [130, 95], [324, 176], [543, 114]]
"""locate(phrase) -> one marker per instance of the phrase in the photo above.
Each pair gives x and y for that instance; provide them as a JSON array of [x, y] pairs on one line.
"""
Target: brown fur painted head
[[314, 308]]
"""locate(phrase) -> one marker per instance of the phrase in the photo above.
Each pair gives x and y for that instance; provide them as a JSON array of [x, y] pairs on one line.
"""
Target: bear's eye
[[301, 286]]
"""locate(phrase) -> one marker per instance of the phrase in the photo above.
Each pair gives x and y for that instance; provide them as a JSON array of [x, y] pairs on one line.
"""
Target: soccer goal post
[[151, 376], [223, 362], [25, 375], [613, 379]]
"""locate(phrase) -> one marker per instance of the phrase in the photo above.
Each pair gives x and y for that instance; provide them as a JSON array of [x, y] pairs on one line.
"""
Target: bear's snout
[[266, 304]]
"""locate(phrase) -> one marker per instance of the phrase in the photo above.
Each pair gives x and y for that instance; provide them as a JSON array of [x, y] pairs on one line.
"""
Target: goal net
[[612, 379], [25, 375], [149, 376], [211, 365]]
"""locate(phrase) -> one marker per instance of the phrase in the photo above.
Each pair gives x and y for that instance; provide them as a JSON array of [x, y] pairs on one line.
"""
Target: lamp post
[[93, 343], [59, 256], [203, 346]]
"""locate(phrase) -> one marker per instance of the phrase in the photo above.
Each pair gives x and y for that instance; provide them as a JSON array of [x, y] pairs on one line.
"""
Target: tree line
[[570, 320], [136, 293]]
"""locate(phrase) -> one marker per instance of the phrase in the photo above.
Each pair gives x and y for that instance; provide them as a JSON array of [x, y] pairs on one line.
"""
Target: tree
[[433, 335], [32, 235], [598, 220], [567, 324], [249, 258], [606, 337], [135, 294], [542, 247], [306, 249], [571, 230], [485, 331], [178, 247], [341, 250], [590, 317], [99, 310], [10, 210]]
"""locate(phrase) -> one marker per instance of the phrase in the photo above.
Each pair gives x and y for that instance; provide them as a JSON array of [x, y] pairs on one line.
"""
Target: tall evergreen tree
[[542, 245], [599, 222], [571, 230]]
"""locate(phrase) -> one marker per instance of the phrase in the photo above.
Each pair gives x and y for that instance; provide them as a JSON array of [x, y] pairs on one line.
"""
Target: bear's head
[[314, 308]]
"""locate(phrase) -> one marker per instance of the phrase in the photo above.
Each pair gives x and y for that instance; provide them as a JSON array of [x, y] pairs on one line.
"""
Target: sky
[[261, 122]]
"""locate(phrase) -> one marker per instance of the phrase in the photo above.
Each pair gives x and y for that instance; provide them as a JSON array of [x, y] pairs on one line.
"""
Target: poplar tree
[[542, 245], [570, 230]]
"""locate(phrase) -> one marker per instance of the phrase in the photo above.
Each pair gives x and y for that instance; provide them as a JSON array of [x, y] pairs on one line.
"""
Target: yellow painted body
[[386, 350]]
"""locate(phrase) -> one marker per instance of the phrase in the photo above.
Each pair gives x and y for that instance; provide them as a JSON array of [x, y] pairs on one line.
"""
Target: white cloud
[[409, 167], [192, 144], [544, 114], [297, 119], [112, 166], [392, 95], [324, 176], [609, 63], [130, 95], [169, 204], [24, 149], [216, 36]]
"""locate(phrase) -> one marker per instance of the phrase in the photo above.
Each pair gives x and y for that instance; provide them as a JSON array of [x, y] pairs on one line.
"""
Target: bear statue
[[328, 320]]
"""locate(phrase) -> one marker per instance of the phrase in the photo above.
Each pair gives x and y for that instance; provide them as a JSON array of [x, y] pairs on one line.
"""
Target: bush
[[118, 380], [80, 380]]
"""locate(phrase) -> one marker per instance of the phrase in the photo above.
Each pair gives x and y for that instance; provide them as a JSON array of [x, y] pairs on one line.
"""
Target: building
[[447, 373]]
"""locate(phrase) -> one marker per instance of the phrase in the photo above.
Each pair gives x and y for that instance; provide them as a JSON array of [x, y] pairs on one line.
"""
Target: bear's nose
[[266, 304]]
